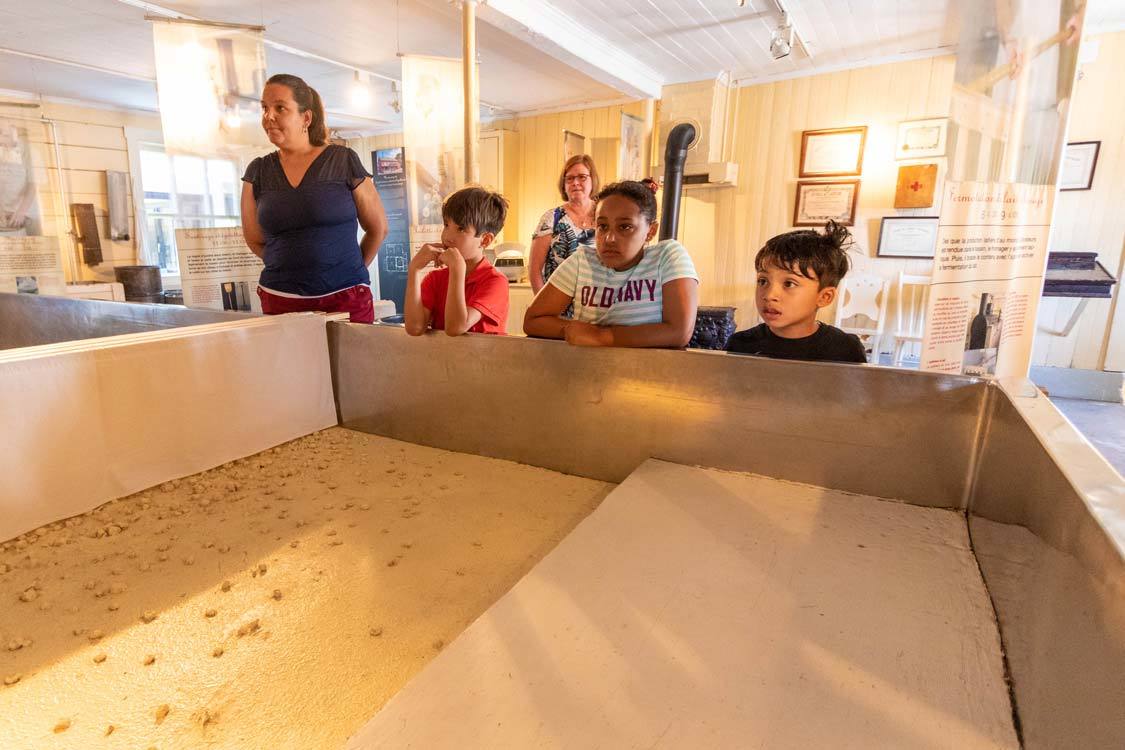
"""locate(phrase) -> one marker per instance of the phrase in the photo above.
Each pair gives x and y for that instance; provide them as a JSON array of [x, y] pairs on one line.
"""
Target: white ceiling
[[670, 40], [113, 35], [690, 40]]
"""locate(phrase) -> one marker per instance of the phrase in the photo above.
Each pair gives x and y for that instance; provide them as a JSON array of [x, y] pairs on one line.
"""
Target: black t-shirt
[[828, 344]]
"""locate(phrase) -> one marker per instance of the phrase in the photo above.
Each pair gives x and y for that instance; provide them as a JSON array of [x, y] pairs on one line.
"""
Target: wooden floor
[[698, 608]]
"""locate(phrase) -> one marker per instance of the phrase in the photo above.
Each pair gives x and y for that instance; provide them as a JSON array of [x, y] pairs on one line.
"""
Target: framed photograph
[[908, 237], [573, 144], [922, 139], [837, 152], [1080, 159], [817, 202]]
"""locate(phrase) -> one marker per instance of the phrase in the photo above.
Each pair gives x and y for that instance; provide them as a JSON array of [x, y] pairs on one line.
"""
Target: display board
[[389, 166], [217, 269], [19, 204], [209, 79], [631, 161], [433, 122], [1015, 71], [31, 265]]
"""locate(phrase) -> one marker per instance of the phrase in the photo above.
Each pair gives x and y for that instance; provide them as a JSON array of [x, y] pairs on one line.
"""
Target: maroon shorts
[[355, 300]]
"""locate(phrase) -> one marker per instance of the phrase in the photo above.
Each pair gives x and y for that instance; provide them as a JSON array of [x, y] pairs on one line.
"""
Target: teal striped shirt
[[633, 297]]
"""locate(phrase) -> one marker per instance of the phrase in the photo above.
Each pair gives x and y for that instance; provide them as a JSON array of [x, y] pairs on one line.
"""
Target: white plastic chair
[[863, 297], [910, 312]]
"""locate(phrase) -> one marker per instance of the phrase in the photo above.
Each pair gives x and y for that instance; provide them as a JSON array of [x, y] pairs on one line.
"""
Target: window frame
[[141, 139]]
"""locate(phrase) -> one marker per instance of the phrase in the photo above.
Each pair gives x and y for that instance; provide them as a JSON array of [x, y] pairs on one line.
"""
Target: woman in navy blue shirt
[[302, 207]]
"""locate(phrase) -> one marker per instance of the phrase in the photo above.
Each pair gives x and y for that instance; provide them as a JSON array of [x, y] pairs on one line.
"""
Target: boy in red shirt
[[464, 292]]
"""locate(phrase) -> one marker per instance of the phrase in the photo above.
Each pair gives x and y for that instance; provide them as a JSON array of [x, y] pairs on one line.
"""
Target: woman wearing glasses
[[623, 291], [563, 229]]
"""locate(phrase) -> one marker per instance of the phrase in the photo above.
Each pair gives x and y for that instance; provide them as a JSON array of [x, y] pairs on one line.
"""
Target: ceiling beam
[[558, 35]]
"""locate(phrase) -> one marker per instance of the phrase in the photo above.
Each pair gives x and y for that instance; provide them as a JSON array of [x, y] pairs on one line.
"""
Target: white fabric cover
[[86, 422]]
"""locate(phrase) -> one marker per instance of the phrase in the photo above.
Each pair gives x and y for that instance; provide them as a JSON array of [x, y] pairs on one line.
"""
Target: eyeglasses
[[578, 178]]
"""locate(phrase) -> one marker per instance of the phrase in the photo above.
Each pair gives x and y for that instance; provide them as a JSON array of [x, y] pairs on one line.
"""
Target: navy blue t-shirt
[[311, 230]]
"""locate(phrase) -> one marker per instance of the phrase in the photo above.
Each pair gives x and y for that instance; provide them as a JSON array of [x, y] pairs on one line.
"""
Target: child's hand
[[451, 259], [426, 254], [587, 334]]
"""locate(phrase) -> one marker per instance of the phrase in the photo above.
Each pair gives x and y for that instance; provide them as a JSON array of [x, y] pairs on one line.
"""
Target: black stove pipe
[[675, 154]]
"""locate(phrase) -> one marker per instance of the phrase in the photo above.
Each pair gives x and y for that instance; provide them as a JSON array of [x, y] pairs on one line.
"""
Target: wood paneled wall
[[1093, 220], [540, 155], [91, 141], [724, 227]]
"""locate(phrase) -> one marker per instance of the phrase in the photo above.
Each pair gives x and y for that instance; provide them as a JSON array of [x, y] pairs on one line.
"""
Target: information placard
[[217, 269], [389, 166], [31, 265], [988, 272]]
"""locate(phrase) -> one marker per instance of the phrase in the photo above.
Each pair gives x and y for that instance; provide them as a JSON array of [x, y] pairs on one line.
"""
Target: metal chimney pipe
[[675, 154]]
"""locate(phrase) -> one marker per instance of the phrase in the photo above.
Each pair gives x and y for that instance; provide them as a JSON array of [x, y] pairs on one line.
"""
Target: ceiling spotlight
[[781, 43], [360, 93]]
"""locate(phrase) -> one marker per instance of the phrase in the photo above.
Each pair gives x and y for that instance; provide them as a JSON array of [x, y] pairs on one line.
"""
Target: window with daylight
[[180, 192]]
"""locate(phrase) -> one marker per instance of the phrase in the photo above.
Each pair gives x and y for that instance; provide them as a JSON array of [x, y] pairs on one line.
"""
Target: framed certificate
[[922, 139], [1080, 159], [908, 237], [837, 152], [818, 202]]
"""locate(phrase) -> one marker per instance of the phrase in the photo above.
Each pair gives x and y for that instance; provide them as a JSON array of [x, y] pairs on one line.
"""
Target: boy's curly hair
[[822, 257]]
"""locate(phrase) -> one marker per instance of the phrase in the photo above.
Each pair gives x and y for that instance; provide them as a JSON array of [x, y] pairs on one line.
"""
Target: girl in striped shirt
[[625, 292]]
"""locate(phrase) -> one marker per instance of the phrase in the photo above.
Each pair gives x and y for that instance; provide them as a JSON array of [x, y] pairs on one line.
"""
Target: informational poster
[[1016, 64], [433, 121], [19, 199], [31, 265], [209, 81], [394, 256], [988, 274], [632, 148], [217, 269]]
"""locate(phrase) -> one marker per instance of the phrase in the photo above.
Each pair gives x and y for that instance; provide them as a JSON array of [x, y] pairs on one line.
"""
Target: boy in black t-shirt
[[798, 273]]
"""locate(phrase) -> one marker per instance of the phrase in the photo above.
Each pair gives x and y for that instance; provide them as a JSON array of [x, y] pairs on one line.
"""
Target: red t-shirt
[[486, 289]]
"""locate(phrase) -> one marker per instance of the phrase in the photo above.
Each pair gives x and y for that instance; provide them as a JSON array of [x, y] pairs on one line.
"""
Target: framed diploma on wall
[[1079, 162], [922, 139], [908, 237], [818, 202], [837, 152]]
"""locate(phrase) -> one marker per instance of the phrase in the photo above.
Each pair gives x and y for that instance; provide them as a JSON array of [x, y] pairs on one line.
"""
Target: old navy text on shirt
[[630, 291]]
